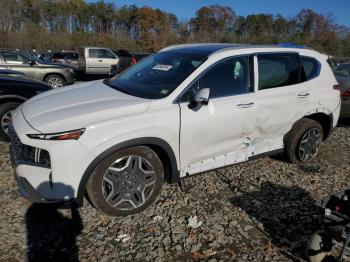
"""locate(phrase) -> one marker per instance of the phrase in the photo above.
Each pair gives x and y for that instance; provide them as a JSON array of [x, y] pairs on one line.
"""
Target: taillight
[[133, 61], [336, 87], [346, 93]]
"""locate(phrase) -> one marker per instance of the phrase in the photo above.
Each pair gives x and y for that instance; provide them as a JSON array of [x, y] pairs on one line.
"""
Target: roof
[[210, 49]]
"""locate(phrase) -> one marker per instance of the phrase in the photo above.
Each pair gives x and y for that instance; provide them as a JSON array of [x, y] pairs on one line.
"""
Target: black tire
[[319, 247], [293, 139], [95, 187], [53, 78], [4, 110]]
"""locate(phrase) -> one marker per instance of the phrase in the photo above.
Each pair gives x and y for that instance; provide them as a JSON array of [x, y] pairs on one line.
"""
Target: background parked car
[[53, 74], [126, 59], [13, 92], [46, 57], [96, 60], [66, 57], [342, 73]]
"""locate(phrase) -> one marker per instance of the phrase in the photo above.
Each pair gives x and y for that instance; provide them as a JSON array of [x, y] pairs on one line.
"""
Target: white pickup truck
[[96, 60]]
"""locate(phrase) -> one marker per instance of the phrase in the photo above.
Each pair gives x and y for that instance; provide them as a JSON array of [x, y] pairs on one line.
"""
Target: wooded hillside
[[68, 24]]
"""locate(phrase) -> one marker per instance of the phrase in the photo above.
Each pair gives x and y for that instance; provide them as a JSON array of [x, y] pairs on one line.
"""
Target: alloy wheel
[[6, 121], [55, 82], [128, 183], [309, 144]]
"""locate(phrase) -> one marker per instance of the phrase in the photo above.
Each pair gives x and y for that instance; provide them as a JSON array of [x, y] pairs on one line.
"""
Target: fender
[[172, 176]]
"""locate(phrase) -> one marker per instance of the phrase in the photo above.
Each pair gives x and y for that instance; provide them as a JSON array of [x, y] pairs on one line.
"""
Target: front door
[[219, 133], [100, 61]]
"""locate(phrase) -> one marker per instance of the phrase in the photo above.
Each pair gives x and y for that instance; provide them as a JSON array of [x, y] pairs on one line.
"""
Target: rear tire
[[55, 81], [5, 118], [302, 142], [126, 182]]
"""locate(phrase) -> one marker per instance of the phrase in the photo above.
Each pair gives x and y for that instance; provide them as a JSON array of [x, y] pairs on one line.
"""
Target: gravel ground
[[264, 210]]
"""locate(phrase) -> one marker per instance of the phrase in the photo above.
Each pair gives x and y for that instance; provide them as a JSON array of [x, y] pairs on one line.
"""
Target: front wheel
[[303, 141], [55, 81], [6, 119], [126, 182]]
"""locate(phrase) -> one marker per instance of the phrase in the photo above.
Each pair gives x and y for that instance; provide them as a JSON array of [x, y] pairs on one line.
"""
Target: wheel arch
[[54, 73], [326, 121], [12, 98], [159, 146]]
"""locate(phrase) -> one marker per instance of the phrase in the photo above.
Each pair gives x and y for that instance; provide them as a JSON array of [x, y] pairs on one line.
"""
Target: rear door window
[[279, 69]]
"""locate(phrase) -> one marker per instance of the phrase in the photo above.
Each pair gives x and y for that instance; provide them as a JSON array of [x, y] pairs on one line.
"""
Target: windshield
[[158, 75], [35, 58]]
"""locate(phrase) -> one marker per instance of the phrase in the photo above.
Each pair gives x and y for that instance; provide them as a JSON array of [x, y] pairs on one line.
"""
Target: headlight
[[68, 135]]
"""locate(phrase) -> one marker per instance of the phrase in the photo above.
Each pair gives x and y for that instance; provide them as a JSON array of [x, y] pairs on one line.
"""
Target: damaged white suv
[[185, 110]]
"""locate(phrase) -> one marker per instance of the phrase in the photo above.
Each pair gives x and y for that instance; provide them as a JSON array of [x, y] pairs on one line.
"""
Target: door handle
[[303, 94], [100, 60], [250, 104]]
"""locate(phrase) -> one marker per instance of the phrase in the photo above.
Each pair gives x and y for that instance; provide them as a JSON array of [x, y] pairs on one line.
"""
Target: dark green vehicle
[[32, 67]]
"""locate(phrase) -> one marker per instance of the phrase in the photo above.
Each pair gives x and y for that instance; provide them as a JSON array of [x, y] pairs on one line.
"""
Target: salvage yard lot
[[260, 210]]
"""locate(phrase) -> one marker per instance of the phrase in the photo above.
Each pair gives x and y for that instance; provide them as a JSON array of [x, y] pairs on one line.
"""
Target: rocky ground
[[264, 210]]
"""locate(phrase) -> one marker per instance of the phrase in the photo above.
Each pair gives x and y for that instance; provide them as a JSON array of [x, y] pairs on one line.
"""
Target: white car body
[[227, 131]]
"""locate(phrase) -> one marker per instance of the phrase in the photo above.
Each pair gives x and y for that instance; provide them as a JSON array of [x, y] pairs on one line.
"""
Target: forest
[[69, 24]]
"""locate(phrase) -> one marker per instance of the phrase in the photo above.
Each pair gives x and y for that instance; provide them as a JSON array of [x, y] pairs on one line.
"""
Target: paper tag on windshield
[[162, 67]]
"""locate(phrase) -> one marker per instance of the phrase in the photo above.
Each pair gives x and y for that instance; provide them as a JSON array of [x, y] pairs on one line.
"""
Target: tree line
[[68, 24]]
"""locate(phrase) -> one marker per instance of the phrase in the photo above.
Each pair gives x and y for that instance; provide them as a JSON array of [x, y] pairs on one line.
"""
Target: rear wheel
[[55, 81], [126, 182], [6, 119], [303, 141]]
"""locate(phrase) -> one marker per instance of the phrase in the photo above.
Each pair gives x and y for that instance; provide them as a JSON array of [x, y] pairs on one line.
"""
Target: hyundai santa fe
[[182, 111]]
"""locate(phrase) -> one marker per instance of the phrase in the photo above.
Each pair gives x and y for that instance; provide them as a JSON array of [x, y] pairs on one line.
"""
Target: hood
[[77, 106]]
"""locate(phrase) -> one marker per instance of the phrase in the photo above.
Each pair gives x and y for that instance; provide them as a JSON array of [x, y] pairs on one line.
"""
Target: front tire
[[55, 81], [126, 182], [6, 119], [303, 141]]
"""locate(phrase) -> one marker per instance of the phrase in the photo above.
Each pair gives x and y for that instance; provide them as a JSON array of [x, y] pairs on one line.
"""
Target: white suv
[[184, 110]]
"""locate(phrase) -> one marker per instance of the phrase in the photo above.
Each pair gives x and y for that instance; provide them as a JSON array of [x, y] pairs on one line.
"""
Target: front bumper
[[70, 78], [55, 182]]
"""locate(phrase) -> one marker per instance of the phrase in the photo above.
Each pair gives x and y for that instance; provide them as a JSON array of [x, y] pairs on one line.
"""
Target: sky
[[185, 9]]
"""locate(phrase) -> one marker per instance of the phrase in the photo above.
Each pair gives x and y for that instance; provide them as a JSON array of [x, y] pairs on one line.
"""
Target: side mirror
[[32, 63], [202, 96]]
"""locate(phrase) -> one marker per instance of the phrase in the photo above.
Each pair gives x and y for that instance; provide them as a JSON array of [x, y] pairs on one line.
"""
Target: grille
[[24, 154]]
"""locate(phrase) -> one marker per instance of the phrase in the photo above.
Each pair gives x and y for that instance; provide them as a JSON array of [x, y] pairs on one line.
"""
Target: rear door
[[100, 61], [283, 97]]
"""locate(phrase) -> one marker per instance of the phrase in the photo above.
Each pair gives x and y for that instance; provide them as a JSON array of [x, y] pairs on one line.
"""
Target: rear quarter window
[[312, 67]]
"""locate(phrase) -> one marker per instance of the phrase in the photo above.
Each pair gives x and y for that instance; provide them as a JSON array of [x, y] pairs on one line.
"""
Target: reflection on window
[[277, 70]]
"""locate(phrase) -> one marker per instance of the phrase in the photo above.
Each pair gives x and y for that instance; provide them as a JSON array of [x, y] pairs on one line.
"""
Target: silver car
[[342, 73], [56, 75]]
